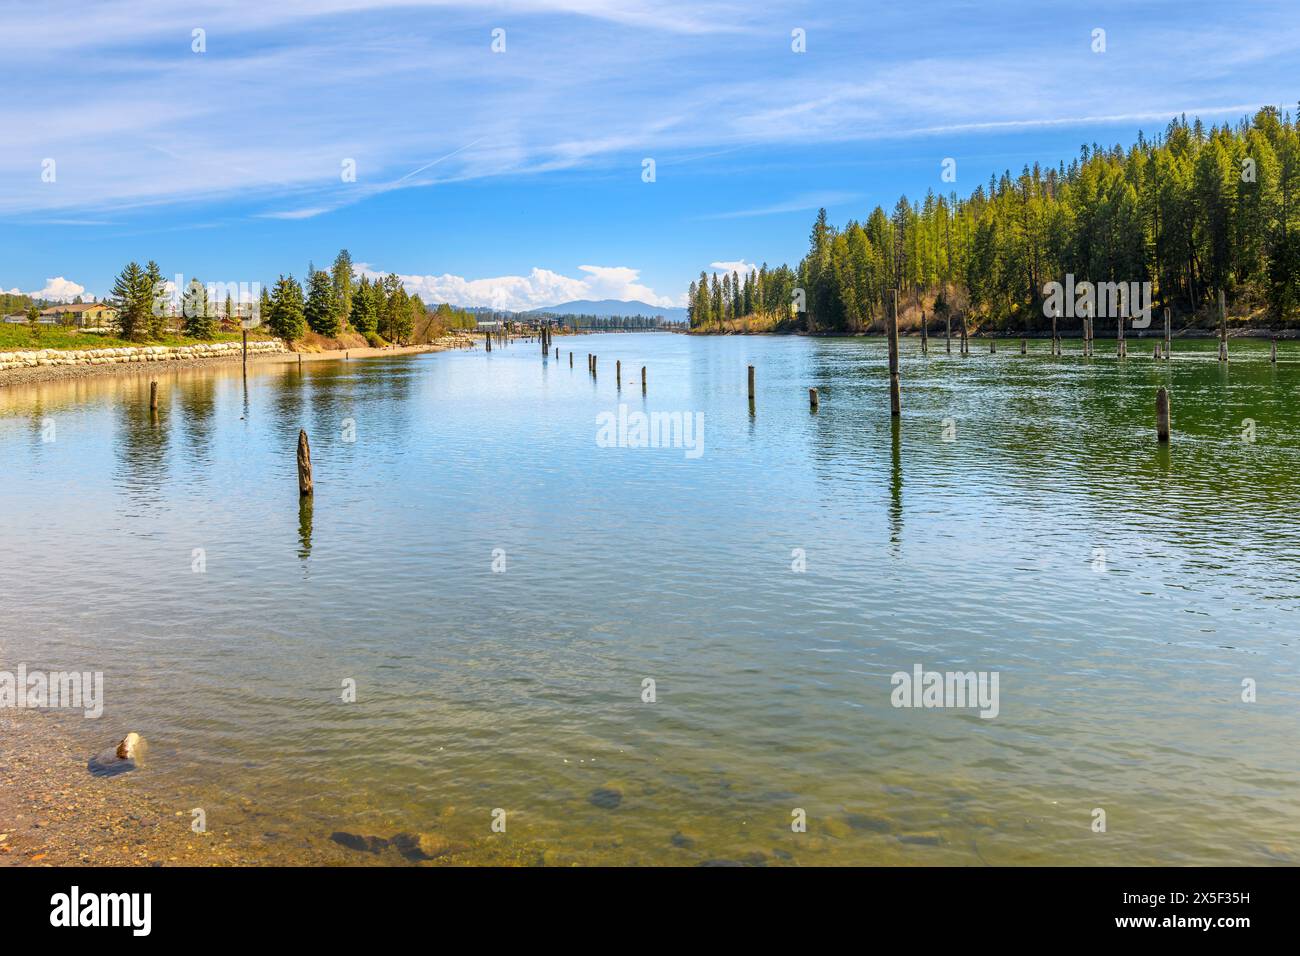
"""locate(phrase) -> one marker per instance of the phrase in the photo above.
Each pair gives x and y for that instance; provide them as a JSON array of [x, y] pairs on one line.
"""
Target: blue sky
[[514, 178]]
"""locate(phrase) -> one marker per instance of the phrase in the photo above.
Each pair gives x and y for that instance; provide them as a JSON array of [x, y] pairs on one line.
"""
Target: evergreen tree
[[160, 301], [285, 316], [364, 316], [341, 277], [322, 309], [200, 323], [133, 302]]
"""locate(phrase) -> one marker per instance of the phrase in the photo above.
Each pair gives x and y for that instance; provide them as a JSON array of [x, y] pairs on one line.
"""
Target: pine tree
[[364, 317], [199, 320], [341, 277], [132, 300], [285, 319], [322, 309], [159, 301]]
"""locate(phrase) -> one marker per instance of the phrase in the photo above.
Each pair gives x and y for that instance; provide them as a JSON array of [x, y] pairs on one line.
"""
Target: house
[[80, 314]]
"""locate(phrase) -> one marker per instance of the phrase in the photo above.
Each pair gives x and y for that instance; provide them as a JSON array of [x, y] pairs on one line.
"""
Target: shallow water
[[1121, 591]]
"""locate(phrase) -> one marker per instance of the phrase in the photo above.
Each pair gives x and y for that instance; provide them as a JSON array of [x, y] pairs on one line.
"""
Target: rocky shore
[[54, 364]]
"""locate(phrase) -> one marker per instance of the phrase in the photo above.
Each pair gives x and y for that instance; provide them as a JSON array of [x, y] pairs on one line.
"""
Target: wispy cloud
[[287, 91], [797, 204]]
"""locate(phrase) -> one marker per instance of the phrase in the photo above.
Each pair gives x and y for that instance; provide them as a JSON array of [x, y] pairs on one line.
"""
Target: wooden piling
[[1272, 351], [1024, 346], [813, 401], [1162, 415], [618, 373], [153, 396], [304, 464], [947, 336], [570, 360], [1056, 342], [895, 405], [642, 379], [1223, 327], [993, 345], [1168, 333], [925, 336], [1121, 346], [751, 383], [1157, 354], [244, 337]]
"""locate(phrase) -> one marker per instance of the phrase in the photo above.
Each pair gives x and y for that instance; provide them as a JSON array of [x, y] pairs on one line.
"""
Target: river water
[[507, 593]]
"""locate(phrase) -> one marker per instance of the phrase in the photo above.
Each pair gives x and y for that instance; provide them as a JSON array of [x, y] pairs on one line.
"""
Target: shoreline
[[55, 813], [50, 373]]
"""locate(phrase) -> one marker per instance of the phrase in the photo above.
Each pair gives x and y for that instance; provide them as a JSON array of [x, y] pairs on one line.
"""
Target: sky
[[527, 153]]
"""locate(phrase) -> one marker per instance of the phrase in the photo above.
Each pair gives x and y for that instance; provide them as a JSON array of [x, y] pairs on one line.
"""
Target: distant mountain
[[614, 307]]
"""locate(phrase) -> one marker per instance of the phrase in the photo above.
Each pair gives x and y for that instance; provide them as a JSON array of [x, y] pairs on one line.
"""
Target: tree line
[[329, 304], [1194, 211]]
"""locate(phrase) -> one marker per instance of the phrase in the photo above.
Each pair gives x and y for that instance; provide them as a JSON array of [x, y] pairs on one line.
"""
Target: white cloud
[[538, 289], [739, 266], [59, 289]]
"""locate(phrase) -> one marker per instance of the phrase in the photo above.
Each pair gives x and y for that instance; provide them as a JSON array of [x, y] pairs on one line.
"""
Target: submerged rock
[[355, 841], [862, 821], [421, 846], [126, 756], [605, 798], [413, 846]]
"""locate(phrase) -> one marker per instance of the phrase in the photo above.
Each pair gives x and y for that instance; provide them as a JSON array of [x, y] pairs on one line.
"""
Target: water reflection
[[305, 505], [141, 448]]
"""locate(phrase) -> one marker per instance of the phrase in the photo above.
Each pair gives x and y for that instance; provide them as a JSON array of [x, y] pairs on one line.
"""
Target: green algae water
[[649, 657]]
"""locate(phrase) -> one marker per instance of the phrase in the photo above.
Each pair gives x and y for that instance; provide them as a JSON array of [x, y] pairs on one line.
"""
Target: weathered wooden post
[[557, 354], [812, 399], [1168, 333], [153, 396], [947, 336], [895, 407], [1056, 342], [751, 383], [570, 360], [618, 373], [993, 345], [304, 464], [642, 379], [244, 336], [1272, 351], [1121, 349], [965, 340], [1223, 327], [487, 340], [593, 366], [925, 336], [1162, 415], [1024, 346], [1157, 353]]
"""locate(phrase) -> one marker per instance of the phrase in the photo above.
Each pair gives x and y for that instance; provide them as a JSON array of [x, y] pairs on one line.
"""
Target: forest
[[1194, 211]]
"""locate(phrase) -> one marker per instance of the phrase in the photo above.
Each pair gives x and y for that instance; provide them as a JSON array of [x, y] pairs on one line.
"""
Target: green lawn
[[14, 338]]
